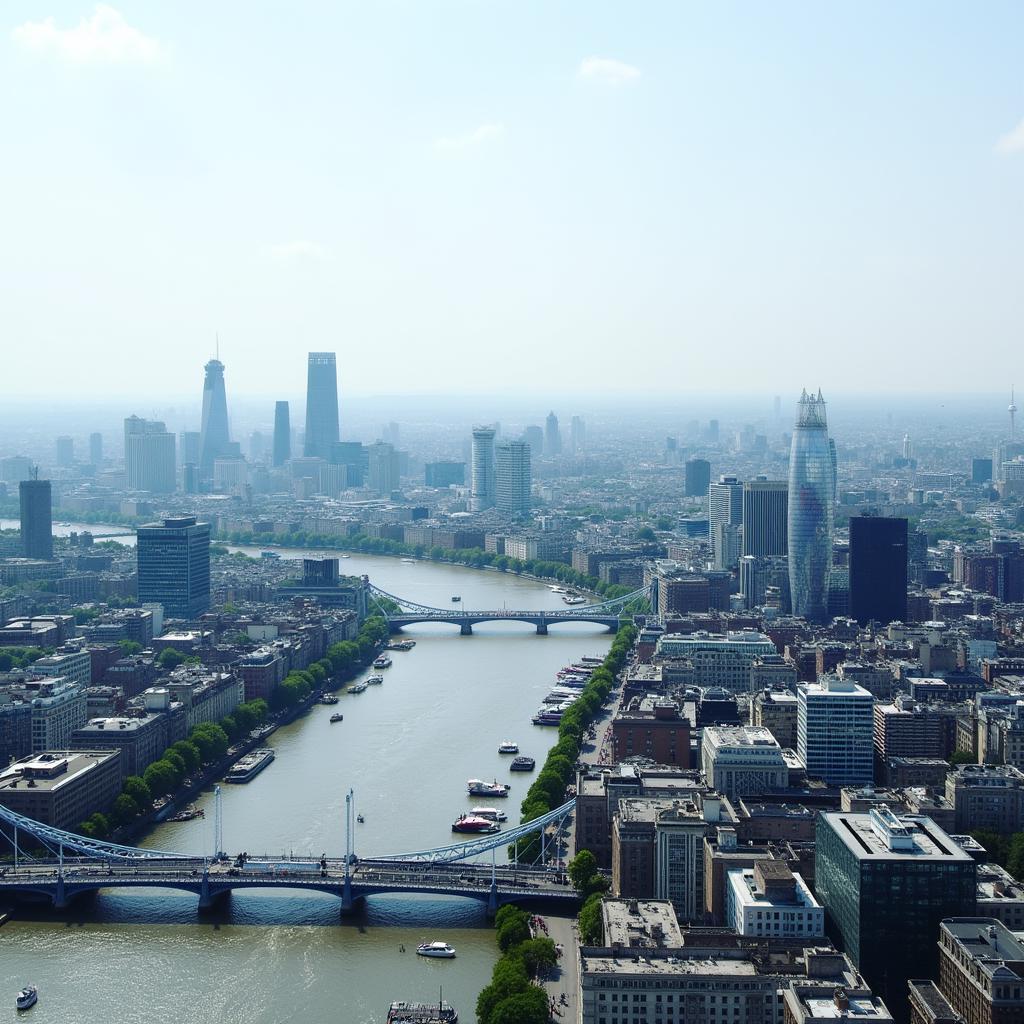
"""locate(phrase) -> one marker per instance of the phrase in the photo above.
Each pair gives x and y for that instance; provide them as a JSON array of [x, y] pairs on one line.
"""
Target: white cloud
[[605, 69], [103, 38], [1012, 141], [479, 137], [297, 251]]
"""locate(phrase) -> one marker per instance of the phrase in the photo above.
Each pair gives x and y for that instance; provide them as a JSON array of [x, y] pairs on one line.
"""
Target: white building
[[75, 666], [739, 760], [835, 731], [59, 707], [512, 475], [719, 659], [483, 484], [768, 900]]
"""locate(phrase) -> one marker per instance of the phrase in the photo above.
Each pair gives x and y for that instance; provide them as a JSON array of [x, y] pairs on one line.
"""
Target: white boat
[[29, 996], [374, 680], [247, 768], [477, 787], [490, 813], [410, 561], [508, 747], [436, 949]]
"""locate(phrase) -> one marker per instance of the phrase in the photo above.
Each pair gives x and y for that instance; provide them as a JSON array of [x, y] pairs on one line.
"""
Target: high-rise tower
[[214, 437], [282, 434], [764, 517], [482, 492], [512, 490], [811, 496], [36, 517], [321, 405], [552, 435]]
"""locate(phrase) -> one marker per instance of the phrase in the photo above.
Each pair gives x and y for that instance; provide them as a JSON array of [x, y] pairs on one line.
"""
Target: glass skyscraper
[[811, 497], [512, 477], [282, 434], [214, 438], [174, 566], [36, 518], [321, 405], [482, 492]]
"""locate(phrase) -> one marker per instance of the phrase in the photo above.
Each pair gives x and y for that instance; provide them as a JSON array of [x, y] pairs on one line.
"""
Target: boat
[[374, 680], [477, 787], [475, 825], [574, 599], [360, 819], [188, 813], [329, 698], [490, 813], [248, 767], [344, 556], [401, 1012], [357, 687], [402, 645], [438, 949], [548, 717], [456, 598], [269, 554], [410, 561], [382, 661], [337, 717], [508, 747], [29, 996], [522, 764]]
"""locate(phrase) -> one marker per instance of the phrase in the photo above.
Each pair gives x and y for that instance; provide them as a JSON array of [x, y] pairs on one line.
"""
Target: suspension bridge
[[73, 866], [400, 612]]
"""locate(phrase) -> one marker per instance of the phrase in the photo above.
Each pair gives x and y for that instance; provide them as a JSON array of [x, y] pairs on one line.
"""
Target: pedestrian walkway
[[564, 980]]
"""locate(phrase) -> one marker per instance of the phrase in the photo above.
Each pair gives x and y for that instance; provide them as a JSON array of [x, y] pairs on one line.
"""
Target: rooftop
[[989, 942], [50, 771], [879, 834], [646, 924]]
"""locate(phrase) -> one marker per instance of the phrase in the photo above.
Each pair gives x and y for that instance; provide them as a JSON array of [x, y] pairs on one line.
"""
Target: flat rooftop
[[52, 770], [987, 941], [641, 924], [895, 837], [676, 966]]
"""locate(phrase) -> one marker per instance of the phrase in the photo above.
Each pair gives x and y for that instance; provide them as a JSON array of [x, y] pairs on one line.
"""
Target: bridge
[[400, 612], [78, 865]]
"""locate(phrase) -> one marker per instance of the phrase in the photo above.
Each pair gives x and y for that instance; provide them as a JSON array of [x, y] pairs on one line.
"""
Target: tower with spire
[[214, 437]]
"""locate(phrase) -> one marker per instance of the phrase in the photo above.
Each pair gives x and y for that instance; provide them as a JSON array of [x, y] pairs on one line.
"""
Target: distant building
[[696, 478], [36, 519], [742, 760], [141, 739], [483, 496], [981, 471], [719, 659], [149, 456], [321, 405], [835, 731], [776, 711], [174, 566], [512, 477], [986, 797], [65, 452], [444, 474], [878, 569], [725, 511], [282, 434], [552, 436], [215, 436], [383, 472], [96, 449], [658, 732], [765, 510], [577, 434]]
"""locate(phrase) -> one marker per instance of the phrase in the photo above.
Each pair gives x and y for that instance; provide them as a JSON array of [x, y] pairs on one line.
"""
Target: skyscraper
[[36, 518], [482, 489], [65, 451], [149, 456], [577, 434], [383, 468], [534, 437], [725, 516], [696, 478], [811, 495], [835, 729], [764, 517], [282, 434], [96, 449], [878, 569], [174, 566], [214, 437], [512, 459], [321, 405], [552, 436]]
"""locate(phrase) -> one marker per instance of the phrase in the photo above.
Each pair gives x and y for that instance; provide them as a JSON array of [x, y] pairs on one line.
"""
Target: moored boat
[[477, 787], [357, 687], [247, 768], [508, 747], [475, 825], [490, 813], [329, 698], [337, 717], [374, 680], [27, 997], [522, 764], [402, 1012], [382, 661], [437, 949]]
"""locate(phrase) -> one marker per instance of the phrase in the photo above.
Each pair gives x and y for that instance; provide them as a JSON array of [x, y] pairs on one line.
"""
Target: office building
[[141, 739], [149, 456], [383, 466], [652, 729], [835, 731], [190, 447], [282, 434], [981, 471], [886, 883], [986, 797], [552, 436], [354, 457], [810, 510], [577, 434], [482, 495], [878, 569], [725, 503], [764, 513], [174, 566], [776, 711], [444, 474], [769, 901], [96, 449], [36, 518], [742, 760], [65, 452], [719, 659], [696, 478], [512, 477], [214, 436], [321, 405], [70, 663]]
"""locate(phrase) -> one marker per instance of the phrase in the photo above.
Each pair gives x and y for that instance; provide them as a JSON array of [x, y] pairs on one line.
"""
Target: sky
[[478, 197]]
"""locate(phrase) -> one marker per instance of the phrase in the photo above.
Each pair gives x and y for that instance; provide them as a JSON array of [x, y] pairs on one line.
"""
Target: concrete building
[[482, 495], [776, 711], [880, 876], [810, 1005], [512, 477], [769, 901], [725, 509], [719, 659], [742, 760], [981, 970], [986, 797], [61, 788], [150, 454], [696, 478], [140, 739], [652, 729], [835, 731], [36, 518], [74, 664], [908, 729], [765, 510], [174, 566]]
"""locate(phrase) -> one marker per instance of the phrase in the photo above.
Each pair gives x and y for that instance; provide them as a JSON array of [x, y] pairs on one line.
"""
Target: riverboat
[[27, 997], [574, 599], [475, 825], [456, 598], [550, 715], [269, 555], [441, 950], [382, 661], [402, 645], [329, 698], [522, 764], [508, 747], [401, 1012], [490, 813], [188, 813], [358, 687], [477, 787], [374, 680], [248, 767], [337, 717], [409, 561]]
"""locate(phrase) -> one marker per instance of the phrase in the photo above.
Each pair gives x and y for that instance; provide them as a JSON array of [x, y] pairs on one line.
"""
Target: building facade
[[512, 477], [482, 496], [878, 569], [174, 566], [835, 731]]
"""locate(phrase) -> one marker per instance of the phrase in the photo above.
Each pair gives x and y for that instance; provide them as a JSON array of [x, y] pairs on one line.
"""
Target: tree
[[511, 933], [590, 921], [210, 740], [509, 912], [962, 757], [527, 1007], [189, 754], [508, 978], [170, 658], [129, 647], [137, 789], [581, 869], [538, 955], [125, 810]]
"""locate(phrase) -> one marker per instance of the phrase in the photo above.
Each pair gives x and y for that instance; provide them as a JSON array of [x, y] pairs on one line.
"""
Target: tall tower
[[321, 405], [36, 517], [214, 436], [173, 559], [482, 491], [512, 474], [811, 498], [282, 434], [552, 435], [149, 456], [764, 517], [1013, 413]]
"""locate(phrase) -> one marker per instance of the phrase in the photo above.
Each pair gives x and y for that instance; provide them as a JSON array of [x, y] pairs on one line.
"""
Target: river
[[405, 748]]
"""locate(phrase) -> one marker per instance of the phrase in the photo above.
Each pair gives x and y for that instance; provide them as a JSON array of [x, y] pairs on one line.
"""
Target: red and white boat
[[474, 824]]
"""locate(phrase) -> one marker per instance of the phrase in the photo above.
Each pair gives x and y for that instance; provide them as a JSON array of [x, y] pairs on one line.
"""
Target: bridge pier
[[492, 900], [61, 901], [542, 629], [348, 905], [466, 629]]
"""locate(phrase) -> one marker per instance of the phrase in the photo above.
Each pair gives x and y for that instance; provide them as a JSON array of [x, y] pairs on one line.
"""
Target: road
[[565, 980]]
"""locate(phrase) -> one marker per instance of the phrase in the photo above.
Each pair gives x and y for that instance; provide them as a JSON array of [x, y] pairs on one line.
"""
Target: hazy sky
[[479, 196]]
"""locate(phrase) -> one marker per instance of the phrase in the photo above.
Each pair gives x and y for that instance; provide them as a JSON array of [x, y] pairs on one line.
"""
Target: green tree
[[170, 658], [509, 977], [590, 927], [129, 647], [962, 757], [511, 933], [582, 868], [539, 955], [125, 810], [137, 789], [189, 754], [210, 740], [527, 1007]]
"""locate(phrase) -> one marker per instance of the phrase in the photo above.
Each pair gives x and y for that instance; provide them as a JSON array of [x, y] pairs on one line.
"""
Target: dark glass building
[[981, 471], [878, 569], [282, 434], [321, 405], [886, 883], [36, 519], [697, 478], [174, 566]]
